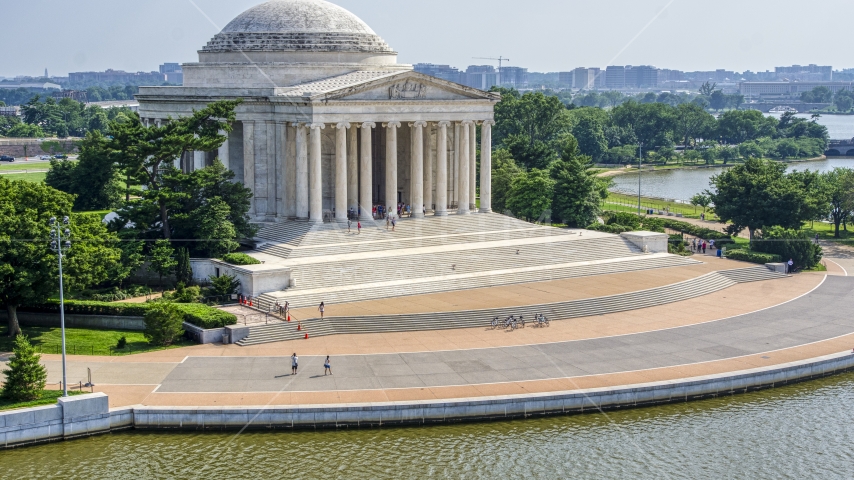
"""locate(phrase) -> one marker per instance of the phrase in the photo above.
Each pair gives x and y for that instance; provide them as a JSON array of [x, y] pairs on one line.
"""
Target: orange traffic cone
[[250, 303], [306, 336], [299, 327], [289, 317]]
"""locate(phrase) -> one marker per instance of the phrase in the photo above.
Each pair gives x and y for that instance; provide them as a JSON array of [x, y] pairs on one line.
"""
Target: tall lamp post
[[640, 169], [57, 230]]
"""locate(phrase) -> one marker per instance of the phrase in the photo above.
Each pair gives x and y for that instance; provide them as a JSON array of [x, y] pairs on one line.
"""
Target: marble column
[[473, 167], [353, 169], [291, 172], [302, 172], [198, 160], [391, 167], [315, 191], [249, 161], [222, 153], [281, 186], [465, 130], [341, 172], [428, 168], [366, 182], [486, 166], [272, 168], [416, 170], [442, 168], [455, 171]]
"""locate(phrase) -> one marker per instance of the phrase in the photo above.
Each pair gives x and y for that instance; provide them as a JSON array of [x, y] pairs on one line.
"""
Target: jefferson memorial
[[330, 123]]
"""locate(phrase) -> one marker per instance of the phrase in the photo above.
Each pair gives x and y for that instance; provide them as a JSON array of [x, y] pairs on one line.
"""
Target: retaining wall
[[88, 414], [79, 321]]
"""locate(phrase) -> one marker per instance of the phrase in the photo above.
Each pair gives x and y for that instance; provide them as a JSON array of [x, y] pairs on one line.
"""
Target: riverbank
[[656, 167]]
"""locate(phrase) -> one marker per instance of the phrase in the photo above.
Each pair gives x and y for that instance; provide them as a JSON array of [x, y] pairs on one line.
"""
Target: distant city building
[[43, 86], [788, 89], [79, 95], [482, 77], [566, 79], [516, 77], [174, 73], [583, 78], [615, 77], [645, 76], [10, 111], [808, 73], [117, 77], [445, 72]]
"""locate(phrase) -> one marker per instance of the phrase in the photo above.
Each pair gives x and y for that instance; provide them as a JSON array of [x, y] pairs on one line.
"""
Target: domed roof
[[297, 16], [297, 25]]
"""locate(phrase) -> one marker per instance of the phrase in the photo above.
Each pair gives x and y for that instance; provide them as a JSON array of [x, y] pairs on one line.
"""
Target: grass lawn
[[628, 203], [84, 341], [8, 167], [48, 397], [30, 177], [826, 231]]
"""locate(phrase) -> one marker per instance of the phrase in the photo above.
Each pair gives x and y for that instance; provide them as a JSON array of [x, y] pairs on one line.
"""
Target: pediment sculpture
[[407, 90]]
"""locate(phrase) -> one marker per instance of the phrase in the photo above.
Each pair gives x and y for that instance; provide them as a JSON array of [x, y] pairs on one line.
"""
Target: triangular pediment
[[409, 86]]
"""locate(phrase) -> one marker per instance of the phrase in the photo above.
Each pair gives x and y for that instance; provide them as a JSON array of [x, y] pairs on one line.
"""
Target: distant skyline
[[545, 36]]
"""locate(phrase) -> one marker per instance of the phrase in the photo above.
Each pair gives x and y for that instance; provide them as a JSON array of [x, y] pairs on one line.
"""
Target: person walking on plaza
[[327, 366], [393, 223], [790, 266], [294, 363], [387, 221], [321, 309], [349, 224], [704, 246], [359, 227]]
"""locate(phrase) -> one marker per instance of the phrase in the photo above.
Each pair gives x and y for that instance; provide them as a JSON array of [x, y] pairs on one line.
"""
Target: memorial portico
[[329, 123]]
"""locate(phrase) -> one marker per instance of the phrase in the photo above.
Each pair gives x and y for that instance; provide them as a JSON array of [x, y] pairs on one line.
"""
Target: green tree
[[183, 269], [164, 323], [132, 258], [701, 200], [161, 259], [145, 152], [224, 285], [787, 148], [718, 100], [28, 268], [653, 124], [504, 171], [739, 126], [26, 377], [589, 130], [789, 244], [707, 89], [531, 194], [93, 178], [693, 122], [756, 194], [817, 95], [751, 149], [577, 200], [25, 130], [839, 187]]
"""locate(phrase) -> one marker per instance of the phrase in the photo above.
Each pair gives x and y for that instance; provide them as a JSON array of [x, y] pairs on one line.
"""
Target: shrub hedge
[[197, 314], [239, 259], [751, 256], [721, 239]]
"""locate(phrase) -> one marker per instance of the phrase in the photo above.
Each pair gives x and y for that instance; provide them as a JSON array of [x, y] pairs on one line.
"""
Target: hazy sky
[[542, 35]]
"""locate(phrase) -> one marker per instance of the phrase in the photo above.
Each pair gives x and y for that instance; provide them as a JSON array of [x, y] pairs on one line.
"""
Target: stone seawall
[[492, 408], [88, 414], [32, 147]]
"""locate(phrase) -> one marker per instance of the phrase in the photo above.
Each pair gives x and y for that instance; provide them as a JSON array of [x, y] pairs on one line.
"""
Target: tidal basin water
[[684, 184], [798, 432]]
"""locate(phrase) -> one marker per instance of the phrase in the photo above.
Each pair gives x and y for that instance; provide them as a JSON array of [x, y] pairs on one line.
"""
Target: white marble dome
[[297, 16], [297, 25]]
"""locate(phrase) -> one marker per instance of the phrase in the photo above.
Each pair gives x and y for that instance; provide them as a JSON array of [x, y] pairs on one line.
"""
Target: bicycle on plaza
[[541, 320]]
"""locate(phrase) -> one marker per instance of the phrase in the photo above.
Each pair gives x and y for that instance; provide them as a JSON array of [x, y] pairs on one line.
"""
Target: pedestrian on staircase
[[387, 221], [359, 226], [327, 366], [393, 223], [349, 224], [321, 309], [294, 363]]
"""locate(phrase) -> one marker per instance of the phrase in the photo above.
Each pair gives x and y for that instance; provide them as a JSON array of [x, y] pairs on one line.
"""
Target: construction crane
[[500, 59]]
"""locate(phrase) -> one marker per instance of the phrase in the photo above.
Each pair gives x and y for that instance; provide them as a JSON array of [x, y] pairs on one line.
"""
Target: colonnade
[[291, 169]]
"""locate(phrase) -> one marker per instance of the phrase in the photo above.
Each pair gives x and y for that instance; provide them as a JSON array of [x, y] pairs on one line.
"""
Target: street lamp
[[640, 169], [57, 230]]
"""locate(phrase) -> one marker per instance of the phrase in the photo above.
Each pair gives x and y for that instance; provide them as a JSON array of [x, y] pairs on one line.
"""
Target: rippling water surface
[[803, 431]]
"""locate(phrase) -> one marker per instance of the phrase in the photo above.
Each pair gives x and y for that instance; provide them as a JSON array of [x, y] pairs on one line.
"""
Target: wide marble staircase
[[439, 255], [693, 288]]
